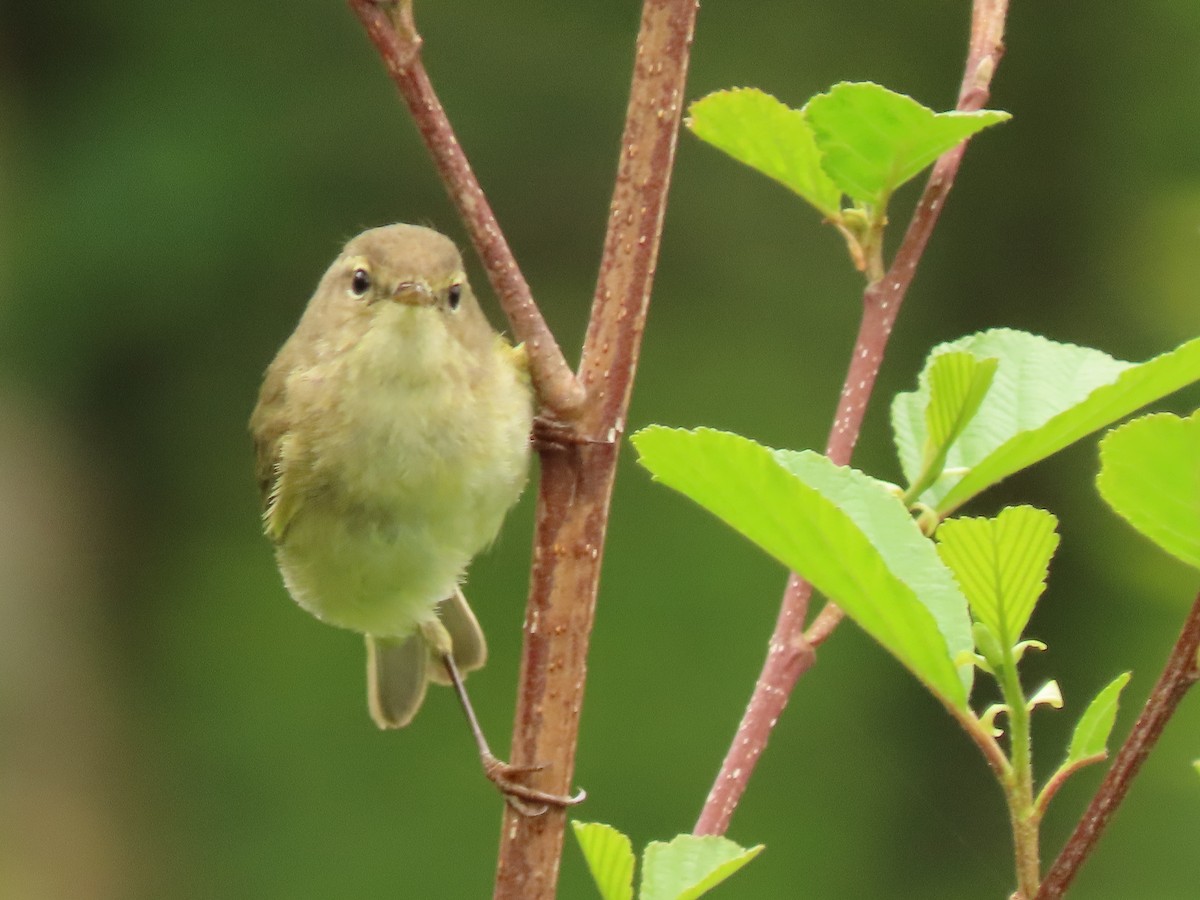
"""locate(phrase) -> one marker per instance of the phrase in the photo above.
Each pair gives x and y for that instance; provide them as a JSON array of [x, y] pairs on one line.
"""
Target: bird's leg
[[525, 800]]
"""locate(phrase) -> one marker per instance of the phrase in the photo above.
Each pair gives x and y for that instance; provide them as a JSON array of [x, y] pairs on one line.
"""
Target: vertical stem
[[1018, 786], [576, 482], [1178, 676], [790, 650]]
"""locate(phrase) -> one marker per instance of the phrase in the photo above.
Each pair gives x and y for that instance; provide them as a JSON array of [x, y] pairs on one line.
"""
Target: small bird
[[392, 437]]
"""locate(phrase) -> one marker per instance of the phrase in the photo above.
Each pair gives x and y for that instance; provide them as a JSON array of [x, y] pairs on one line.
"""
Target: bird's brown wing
[[269, 427]]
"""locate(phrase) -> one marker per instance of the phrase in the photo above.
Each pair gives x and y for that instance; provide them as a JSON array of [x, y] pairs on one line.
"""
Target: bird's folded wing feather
[[270, 427]]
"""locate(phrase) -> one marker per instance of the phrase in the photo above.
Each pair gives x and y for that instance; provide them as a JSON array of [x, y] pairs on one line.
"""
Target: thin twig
[[1179, 674], [389, 24], [791, 651], [981, 735], [576, 481]]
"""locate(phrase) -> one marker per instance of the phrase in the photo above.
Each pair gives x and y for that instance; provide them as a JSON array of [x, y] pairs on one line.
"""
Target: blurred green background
[[173, 180]]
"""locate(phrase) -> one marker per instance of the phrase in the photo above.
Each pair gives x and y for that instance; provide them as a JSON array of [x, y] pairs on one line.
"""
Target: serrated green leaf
[[1096, 723], [690, 866], [1150, 474], [1044, 397], [609, 856], [873, 140], [843, 531], [770, 137], [1001, 565], [958, 382]]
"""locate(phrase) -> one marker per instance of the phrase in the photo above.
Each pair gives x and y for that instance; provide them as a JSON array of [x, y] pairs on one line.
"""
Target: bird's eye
[[454, 296], [360, 283]]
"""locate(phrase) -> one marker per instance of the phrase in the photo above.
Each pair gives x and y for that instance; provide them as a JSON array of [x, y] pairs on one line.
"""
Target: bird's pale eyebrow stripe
[[456, 277]]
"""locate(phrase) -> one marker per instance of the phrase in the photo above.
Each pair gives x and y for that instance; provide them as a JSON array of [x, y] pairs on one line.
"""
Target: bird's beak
[[413, 293]]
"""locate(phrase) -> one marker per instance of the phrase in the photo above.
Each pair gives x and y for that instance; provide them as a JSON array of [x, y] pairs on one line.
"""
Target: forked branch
[[576, 483], [577, 477]]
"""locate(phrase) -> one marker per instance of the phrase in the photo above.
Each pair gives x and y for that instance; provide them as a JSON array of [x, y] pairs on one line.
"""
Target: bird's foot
[[551, 435], [524, 799]]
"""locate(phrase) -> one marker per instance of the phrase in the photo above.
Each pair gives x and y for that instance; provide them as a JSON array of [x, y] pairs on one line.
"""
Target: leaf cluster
[[951, 596], [948, 597], [845, 151]]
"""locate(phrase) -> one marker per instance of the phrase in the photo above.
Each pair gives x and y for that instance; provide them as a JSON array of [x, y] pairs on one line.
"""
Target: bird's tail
[[399, 670]]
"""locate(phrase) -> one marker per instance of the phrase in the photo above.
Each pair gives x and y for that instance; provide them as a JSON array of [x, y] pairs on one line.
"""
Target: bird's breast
[[447, 450]]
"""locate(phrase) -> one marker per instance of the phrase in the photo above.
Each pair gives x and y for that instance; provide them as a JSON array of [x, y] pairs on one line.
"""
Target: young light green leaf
[[1096, 723], [1044, 396], [609, 857], [1001, 565], [958, 382], [843, 531], [1150, 474], [690, 866], [873, 140], [765, 134]]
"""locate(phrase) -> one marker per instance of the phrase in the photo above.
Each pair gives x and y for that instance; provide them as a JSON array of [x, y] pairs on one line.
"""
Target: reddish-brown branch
[[389, 24], [791, 651], [1179, 674], [576, 482]]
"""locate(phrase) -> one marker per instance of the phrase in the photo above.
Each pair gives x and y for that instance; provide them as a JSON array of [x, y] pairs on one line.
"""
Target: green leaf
[[760, 131], [1096, 723], [609, 856], [1001, 565], [1044, 396], [690, 866], [958, 382], [1150, 474], [873, 140], [843, 531]]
